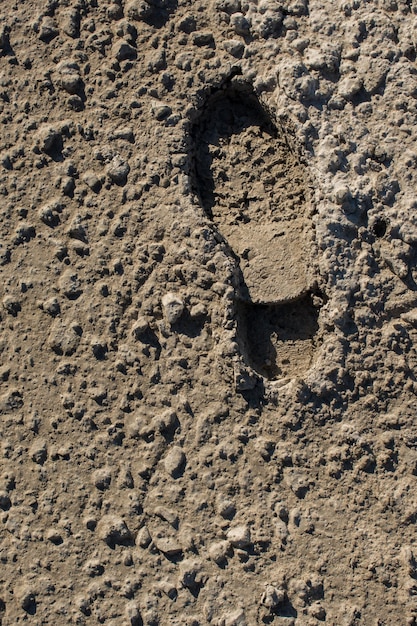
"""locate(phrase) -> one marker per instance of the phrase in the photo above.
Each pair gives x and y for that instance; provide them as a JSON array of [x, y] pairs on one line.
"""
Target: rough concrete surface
[[208, 261]]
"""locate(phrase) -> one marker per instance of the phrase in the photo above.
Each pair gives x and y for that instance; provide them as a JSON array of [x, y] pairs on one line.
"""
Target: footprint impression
[[251, 184]]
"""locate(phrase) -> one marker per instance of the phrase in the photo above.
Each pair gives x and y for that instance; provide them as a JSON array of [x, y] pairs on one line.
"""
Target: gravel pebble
[[234, 47], [102, 478], [123, 51], [39, 452], [113, 530], [92, 180], [168, 545], [11, 304], [174, 462], [273, 597], [240, 24], [173, 307], [48, 30], [64, 338], [69, 77], [143, 538], [49, 138], [218, 552], [70, 285], [118, 170], [161, 111], [239, 536]]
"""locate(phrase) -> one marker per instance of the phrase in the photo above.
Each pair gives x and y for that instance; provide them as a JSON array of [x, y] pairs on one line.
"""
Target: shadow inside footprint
[[252, 185], [277, 339]]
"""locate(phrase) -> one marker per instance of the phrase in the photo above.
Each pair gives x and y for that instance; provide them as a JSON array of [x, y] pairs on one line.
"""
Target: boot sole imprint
[[252, 185]]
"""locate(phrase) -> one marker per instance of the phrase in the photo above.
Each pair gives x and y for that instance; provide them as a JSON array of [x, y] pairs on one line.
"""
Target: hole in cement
[[380, 228]]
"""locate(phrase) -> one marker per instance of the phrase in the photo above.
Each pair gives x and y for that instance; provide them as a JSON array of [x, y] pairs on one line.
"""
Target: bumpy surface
[[176, 447]]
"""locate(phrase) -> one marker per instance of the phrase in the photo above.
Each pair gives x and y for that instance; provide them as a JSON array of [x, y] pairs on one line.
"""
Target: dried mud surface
[[208, 260]]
